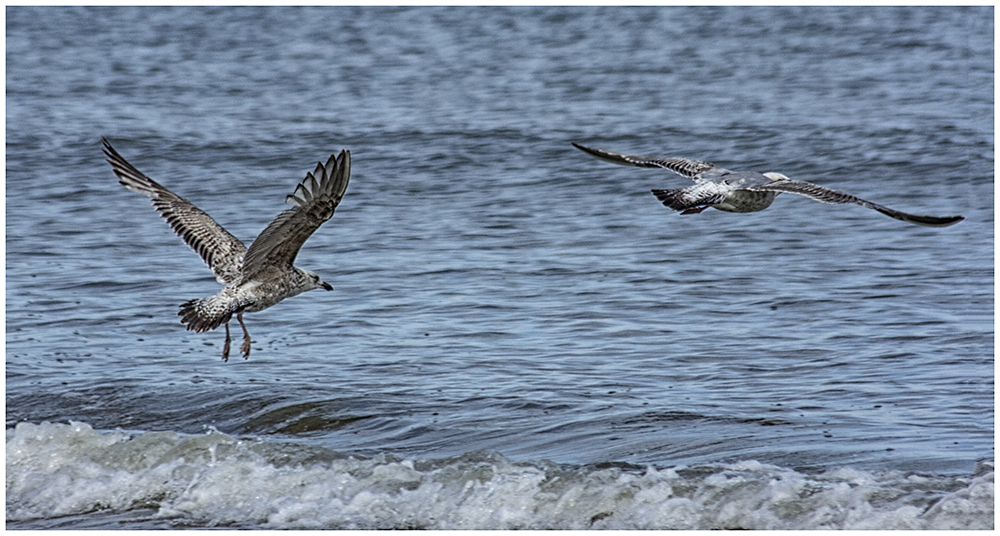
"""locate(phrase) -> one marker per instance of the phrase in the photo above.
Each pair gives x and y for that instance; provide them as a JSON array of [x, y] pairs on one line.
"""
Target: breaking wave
[[72, 476]]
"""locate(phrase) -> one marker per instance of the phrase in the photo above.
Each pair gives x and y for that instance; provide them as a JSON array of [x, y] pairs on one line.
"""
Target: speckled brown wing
[[826, 195], [313, 203], [686, 167], [219, 249]]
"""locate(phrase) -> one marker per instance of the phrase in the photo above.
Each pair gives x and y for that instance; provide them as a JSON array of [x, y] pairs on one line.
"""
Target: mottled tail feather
[[193, 314], [681, 200]]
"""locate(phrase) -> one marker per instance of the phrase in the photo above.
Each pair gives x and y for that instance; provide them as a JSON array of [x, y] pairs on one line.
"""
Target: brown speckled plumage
[[254, 278], [744, 191]]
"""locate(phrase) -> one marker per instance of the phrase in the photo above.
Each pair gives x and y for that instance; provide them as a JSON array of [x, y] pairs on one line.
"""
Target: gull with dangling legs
[[257, 277]]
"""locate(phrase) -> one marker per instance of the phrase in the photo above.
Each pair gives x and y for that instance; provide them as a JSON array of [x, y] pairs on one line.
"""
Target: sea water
[[520, 336]]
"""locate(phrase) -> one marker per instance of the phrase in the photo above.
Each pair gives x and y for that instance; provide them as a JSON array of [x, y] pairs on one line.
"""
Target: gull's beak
[[327, 286]]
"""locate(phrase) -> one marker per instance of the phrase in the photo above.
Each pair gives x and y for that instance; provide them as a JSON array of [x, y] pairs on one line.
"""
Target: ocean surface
[[520, 336]]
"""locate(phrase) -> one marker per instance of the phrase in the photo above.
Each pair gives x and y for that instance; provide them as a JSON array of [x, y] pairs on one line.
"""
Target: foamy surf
[[70, 475]]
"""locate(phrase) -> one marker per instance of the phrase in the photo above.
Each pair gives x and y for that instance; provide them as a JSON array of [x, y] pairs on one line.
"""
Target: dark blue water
[[520, 336]]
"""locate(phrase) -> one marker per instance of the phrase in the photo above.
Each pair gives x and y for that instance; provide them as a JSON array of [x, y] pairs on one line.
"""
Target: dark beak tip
[[327, 286]]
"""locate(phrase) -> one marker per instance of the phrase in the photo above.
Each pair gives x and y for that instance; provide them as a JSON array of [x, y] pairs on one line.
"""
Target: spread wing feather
[[313, 203], [826, 195], [219, 249], [686, 167]]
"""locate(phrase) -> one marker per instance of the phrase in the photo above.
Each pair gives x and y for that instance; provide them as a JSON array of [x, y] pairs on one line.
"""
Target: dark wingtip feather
[[592, 152], [933, 221]]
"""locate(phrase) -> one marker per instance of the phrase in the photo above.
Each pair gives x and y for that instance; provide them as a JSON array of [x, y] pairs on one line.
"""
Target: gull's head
[[776, 176], [315, 282]]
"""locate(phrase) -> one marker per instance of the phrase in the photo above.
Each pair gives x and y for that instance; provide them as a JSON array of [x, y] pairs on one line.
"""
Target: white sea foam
[[57, 470]]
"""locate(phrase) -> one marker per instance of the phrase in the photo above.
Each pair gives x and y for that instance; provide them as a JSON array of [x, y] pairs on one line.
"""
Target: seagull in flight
[[254, 278], [744, 191]]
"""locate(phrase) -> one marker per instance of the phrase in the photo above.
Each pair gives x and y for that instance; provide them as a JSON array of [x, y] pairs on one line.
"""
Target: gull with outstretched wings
[[254, 278], [744, 191]]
